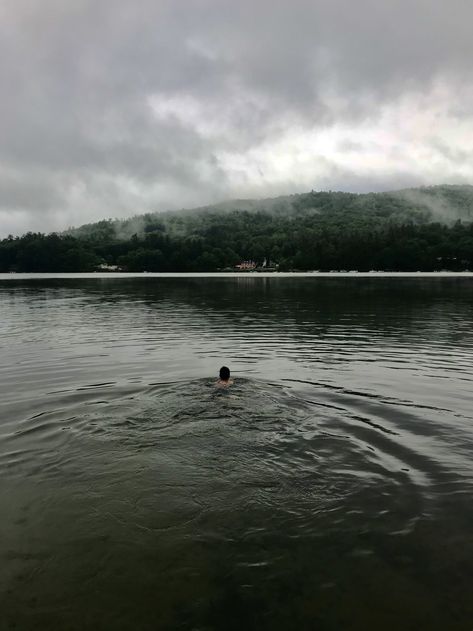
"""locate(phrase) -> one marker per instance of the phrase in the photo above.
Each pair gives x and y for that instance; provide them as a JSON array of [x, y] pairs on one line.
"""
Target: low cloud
[[110, 109]]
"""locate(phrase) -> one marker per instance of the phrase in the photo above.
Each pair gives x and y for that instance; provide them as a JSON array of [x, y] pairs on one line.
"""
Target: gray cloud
[[114, 108]]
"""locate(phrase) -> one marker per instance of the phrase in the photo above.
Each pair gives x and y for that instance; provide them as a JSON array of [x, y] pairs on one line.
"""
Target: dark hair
[[224, 373]]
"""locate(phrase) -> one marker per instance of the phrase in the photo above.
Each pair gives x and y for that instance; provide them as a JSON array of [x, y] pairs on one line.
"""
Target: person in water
[[224, 377]]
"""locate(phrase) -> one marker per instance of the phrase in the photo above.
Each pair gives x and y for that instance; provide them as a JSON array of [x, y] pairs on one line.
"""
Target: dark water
[[330, 488]]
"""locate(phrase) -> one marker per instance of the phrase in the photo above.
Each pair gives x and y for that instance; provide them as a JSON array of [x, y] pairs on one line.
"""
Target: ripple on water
[[268, 481], [263, 444], [333, 499]]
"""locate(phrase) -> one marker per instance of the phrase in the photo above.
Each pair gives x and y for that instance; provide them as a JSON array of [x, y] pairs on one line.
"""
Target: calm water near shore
[[329, 489]]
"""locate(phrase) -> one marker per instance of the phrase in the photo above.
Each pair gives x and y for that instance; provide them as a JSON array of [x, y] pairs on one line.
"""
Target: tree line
[[304, 240]]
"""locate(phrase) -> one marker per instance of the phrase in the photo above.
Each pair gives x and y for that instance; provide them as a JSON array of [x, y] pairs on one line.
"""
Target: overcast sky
[[110, 108]]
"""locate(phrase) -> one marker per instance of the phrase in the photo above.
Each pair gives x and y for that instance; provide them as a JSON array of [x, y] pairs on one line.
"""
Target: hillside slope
[[415, 229], [444, 204]]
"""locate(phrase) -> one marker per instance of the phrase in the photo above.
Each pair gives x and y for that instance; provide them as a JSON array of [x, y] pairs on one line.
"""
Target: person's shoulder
[[223, 384]]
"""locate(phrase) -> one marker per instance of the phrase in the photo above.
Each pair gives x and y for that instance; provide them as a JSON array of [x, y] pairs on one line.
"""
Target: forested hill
[[444, 204], [413, 229]]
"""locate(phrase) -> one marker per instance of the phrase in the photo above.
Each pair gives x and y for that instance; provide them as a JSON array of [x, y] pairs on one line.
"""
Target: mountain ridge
[[423, 229], [444, 203]]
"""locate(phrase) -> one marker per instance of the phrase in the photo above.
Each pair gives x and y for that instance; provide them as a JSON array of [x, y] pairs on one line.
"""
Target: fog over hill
[[445, 204], [424, 229]]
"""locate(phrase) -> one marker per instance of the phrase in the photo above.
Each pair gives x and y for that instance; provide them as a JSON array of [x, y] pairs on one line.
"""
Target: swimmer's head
[[224, 373]]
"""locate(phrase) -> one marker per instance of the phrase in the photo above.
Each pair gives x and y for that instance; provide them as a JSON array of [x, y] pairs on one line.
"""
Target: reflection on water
[[329, 488]]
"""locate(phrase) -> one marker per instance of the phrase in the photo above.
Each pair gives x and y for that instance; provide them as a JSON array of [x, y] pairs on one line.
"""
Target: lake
[[330, 488]]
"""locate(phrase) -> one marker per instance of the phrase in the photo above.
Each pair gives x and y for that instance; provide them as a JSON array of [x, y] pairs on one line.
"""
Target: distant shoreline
[[115, 275]]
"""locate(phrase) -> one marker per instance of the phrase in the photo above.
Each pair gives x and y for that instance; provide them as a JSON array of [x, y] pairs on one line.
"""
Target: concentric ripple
[[328, 488]]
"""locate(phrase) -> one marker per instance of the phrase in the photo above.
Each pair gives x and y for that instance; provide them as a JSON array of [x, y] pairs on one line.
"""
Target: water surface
[[329, 488]]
